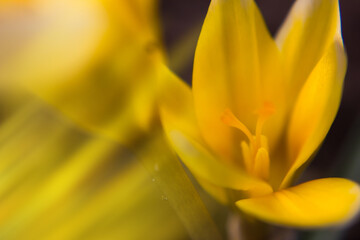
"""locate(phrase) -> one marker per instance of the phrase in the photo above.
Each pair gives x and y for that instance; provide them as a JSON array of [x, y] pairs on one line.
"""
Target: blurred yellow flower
[[59, 179], [91, 59], [260, 108]]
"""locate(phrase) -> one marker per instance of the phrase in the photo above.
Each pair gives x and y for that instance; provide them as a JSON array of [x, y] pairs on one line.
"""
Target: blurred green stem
[[168, 173]]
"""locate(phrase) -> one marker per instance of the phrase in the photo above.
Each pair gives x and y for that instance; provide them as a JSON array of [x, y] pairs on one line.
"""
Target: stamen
[[259, 125], [247, 155], [264, 142], [262, 164], [229, 119], [255, 152]]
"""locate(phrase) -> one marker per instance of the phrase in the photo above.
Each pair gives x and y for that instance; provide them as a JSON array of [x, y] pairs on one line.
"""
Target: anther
[[261, 164]]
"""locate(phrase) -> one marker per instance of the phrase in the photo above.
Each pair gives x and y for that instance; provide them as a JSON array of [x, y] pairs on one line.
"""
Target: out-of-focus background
[[340, 153]]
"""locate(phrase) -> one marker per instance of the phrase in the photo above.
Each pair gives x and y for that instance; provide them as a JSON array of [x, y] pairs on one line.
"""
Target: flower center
[[255, 151]]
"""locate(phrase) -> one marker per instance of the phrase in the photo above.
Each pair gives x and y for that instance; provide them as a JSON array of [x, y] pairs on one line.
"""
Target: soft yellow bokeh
[[95, 61], [78, 94]]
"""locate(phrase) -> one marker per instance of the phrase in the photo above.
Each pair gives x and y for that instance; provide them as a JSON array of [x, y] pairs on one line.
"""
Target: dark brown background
[[340, 154]]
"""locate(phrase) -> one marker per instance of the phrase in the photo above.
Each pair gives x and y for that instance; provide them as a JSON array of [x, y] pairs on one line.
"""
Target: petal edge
[[318, 203]]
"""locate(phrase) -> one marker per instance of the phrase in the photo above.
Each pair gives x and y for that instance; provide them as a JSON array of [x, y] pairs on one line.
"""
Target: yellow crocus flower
[[258, 110]]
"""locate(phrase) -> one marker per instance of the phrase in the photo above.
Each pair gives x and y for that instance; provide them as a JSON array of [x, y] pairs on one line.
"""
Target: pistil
[[255, 151]]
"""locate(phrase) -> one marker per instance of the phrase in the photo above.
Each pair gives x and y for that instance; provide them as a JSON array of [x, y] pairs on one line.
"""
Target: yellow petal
[[234, 62], [307, 32], [315, 108], [176, 105], [317, 203]]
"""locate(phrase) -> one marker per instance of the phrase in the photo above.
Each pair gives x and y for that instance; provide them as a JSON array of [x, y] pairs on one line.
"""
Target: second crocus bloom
[[260, 108]]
